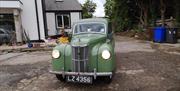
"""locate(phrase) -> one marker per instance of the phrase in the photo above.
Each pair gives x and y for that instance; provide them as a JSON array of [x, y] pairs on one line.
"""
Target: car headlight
[[55, 54], [106, 54]]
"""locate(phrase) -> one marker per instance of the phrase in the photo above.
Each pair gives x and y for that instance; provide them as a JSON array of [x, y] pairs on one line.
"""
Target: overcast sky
[[99, 9]]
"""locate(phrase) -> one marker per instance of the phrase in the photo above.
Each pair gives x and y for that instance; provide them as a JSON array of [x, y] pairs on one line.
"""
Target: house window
[[63, 21]]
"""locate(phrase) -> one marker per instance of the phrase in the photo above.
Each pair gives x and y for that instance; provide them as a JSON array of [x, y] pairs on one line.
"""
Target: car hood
[[87, 39]]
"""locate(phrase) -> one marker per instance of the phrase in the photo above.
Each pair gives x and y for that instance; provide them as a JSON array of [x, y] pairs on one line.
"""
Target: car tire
[[60, 78]]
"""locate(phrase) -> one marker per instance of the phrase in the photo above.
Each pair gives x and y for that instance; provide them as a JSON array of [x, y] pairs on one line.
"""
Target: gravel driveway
[[140, 67]]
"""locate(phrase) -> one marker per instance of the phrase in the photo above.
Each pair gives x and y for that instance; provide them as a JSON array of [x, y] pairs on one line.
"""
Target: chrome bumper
[[94, 74]]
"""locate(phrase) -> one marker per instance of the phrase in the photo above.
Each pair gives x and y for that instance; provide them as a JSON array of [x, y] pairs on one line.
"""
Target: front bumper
[[94, 74]]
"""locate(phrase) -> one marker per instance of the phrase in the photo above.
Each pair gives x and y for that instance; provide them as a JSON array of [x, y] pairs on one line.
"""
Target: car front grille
[[80, 58]]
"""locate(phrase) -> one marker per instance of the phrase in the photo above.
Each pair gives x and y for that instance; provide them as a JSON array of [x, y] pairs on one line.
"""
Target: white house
[[38, 18]]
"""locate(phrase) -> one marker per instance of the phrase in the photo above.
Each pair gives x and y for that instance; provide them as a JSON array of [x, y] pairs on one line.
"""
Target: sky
[[99, 12]]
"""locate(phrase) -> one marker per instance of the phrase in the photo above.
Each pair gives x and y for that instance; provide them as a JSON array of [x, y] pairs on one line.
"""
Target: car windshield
[[89, 28]]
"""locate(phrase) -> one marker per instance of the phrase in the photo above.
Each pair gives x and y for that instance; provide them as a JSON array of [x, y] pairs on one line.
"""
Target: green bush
[[122, 24], [138, 29]]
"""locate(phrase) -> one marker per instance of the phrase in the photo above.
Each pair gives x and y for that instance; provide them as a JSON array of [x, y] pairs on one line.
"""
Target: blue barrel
[[159, 34]]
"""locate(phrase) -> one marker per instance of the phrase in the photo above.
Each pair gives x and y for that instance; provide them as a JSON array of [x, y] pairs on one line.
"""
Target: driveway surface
[[141, 66]]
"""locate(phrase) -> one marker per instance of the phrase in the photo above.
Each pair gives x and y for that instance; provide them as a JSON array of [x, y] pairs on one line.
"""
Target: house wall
[[41, 21], [29, 19], [35, 28], [10, 4], [75, 16], [51, 22]]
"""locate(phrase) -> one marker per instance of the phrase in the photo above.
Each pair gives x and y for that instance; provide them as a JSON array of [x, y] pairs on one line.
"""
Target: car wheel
[[60, 77]]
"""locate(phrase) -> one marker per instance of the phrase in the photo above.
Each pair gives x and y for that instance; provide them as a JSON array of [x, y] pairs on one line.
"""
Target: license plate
[[79, 79]]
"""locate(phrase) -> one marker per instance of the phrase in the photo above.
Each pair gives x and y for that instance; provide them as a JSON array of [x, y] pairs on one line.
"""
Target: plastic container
[[171, 35], [30, 45], [159, 34]]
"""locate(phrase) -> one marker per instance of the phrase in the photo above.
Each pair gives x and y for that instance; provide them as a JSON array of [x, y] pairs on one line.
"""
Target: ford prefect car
[[88, 55]]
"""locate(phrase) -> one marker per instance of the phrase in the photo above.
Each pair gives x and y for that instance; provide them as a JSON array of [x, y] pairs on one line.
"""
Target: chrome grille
[[79, 58]]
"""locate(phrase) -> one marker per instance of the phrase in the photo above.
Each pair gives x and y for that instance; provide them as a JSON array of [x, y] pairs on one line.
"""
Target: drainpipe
[[37, 16], [44, 18]]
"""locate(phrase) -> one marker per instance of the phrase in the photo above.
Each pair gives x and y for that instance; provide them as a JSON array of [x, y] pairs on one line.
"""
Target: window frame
[[62, 16]]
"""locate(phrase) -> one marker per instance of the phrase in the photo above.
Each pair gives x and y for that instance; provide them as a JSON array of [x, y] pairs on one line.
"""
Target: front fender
[[106, 65], [64, 61], [58, 64]]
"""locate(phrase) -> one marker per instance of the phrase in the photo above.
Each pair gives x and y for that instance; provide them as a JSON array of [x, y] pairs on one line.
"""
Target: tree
[[121, 19], [143, 6], [163, 10], [153, 12], [88, 9], [177, 9], [127, 14], [108, 6], [148, 12]]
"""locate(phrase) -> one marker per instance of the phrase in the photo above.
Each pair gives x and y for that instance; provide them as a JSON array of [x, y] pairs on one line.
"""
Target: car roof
[[103, 20]]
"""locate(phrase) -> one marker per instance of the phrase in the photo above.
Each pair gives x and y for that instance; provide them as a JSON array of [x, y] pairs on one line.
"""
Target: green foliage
[[125, 14], [137, 29], [88, 9], [153, 13], [109, 5], [121, 17], [177, 2]]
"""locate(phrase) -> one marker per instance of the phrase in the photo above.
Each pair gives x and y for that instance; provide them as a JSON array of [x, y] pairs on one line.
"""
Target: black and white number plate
[[79, 79]]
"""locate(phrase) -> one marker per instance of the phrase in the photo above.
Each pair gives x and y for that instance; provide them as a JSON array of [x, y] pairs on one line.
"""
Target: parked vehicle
[[90, 53], [4, 36]]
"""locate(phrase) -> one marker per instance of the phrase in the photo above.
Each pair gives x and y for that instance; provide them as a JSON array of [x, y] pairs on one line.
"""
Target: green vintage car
[[90, 53]]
